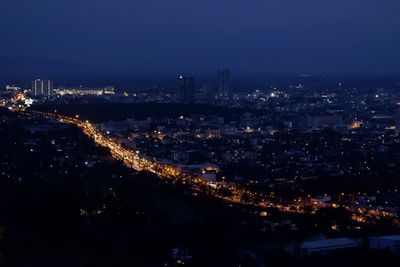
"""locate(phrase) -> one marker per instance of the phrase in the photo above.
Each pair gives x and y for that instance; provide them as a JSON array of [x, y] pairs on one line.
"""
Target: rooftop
[[323, 243]]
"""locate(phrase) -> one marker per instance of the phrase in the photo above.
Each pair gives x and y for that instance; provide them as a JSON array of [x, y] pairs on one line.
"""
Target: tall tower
[[42, 87], [397, 121], [223, 86], [186, 89]]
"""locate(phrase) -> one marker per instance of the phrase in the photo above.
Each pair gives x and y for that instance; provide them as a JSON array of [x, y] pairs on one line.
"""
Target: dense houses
[[296, 139]]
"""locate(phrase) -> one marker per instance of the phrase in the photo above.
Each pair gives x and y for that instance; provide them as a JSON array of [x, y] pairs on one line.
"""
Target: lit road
[[229, 193]]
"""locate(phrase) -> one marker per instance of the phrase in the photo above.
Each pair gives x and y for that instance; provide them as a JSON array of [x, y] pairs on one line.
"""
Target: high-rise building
[[397, 122], [186, 89], [223, 86], [42, 87]]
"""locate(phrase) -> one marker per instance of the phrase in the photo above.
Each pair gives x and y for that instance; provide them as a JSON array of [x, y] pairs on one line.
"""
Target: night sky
[[170, 36]]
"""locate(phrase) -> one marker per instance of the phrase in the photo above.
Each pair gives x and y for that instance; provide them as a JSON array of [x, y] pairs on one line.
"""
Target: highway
[[221, 190]]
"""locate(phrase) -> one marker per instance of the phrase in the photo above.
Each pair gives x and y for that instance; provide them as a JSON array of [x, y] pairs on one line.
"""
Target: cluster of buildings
[[282, 145], [272, 143], [185, 91], [300, 135], [44, 89], [188, 94], [288, 134]]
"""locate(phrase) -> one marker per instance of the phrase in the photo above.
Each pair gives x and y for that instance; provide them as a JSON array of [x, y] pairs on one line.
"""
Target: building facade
[[186, 90], [42, 88], [223, 84]]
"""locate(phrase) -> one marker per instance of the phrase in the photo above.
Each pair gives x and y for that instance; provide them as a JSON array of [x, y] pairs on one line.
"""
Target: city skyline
[[252, 133]]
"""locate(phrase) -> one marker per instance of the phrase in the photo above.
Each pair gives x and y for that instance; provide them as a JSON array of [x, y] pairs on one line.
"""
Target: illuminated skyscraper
[[223, 86], [186, 89], [42, 87]]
